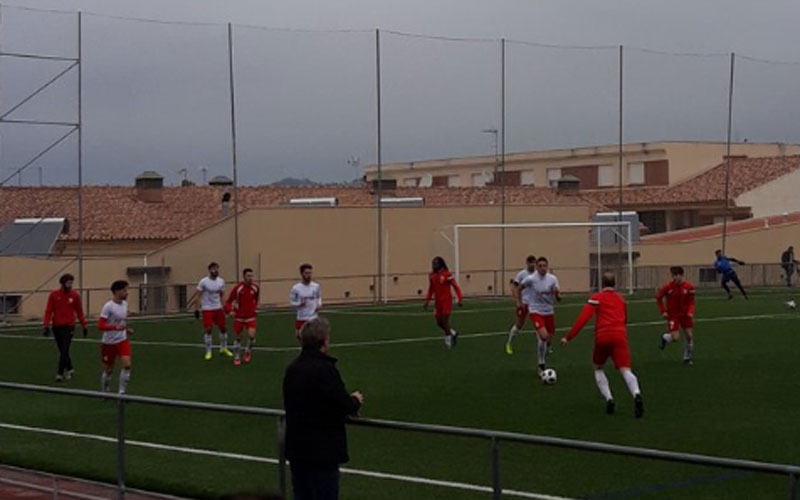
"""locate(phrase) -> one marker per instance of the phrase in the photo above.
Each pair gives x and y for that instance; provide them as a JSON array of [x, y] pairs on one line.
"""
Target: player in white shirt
[[209, 297], [521, 298], [306, 298], [113, 324], [544, 292]]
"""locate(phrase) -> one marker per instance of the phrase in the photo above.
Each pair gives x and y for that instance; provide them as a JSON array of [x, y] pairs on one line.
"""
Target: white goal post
[[623, 225]]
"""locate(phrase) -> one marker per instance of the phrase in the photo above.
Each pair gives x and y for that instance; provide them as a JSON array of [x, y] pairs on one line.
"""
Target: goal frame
[[625, 225]]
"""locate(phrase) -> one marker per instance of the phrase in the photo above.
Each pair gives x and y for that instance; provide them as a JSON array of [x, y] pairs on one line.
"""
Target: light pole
[[355, 162]]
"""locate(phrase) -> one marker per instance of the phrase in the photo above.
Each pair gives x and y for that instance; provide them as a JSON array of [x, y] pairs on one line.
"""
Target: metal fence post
[[282, 456], [120, 449], [792, 486], [497, 490]]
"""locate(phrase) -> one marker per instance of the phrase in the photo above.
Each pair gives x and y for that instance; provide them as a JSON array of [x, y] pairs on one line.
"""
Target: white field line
[[272, 461], [406, 340]]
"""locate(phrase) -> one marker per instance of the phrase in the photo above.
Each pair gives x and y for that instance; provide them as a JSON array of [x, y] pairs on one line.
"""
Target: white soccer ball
[[791, 304], [549, 376]]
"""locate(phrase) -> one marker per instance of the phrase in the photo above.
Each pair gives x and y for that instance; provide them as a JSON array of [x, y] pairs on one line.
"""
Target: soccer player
[[439, 283], [544, 291], [209, 296], [242, 304], [611, 340], [521, 299], [679, 311], [725, 268], [306, 298], [63, 305], [115, 344]]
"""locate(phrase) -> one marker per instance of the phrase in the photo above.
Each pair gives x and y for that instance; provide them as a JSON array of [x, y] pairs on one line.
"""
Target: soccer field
[[741, 399]]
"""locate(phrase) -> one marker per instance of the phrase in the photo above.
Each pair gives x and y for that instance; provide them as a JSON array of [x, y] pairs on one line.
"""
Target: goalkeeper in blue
[[724, 266]]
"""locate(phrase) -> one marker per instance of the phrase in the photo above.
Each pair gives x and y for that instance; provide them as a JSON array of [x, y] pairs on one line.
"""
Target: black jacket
[[316, 404]]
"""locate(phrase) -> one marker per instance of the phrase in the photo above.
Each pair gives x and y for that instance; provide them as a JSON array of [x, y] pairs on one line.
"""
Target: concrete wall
[[775, 198]]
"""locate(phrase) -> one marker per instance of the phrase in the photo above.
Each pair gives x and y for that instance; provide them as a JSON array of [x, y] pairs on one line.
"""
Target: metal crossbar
[[494, 438]]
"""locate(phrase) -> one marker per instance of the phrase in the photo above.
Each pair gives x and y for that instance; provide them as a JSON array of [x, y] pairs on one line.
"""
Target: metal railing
[[494, 438]]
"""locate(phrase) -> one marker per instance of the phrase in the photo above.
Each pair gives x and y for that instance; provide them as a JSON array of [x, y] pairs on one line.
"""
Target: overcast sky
[[156, 95]]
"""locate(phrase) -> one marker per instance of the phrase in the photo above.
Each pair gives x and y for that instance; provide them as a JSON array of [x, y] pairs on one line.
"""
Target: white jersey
[[543, 292], [210, 290], [307, 299], [115, 314], [525, 294]]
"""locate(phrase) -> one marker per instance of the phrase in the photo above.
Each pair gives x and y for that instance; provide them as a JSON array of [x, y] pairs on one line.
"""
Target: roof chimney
[[149, 187], [568, 185], [226, 204]]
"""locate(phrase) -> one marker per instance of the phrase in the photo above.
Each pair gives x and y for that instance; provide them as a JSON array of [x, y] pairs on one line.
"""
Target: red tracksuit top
[[245, 299], [62, 308], [612, 316], [680, 299], [439, 285]]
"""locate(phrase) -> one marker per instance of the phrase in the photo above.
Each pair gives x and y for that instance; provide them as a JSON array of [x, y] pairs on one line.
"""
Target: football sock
[[124, 378], [513, 333], [631, 381], [208, 339], [223, 340], [667, 337], [453, 332], [727, 288], [105, 381], [602, 384], [542, 349], [688, 349], [236, 345]]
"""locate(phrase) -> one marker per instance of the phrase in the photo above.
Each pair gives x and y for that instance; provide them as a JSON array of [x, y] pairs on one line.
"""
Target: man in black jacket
[[788, 263], [316, 405]]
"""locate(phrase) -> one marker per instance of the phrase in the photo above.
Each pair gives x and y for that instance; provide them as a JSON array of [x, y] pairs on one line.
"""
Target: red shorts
[[676, 322], [241, 324], [548, 322], [615, 348], [212, 318], [110, 352], [522, 312], [298, 325], [442, 309]]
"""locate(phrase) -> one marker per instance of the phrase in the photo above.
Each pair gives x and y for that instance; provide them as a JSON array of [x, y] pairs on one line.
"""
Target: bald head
[[609, 280]]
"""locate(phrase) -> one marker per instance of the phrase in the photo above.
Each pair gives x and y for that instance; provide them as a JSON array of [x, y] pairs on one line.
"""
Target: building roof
[[115, 213], [746, 174], [715, 230]]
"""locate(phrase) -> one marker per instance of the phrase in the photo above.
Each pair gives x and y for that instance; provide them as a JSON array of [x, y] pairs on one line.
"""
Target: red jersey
[[243, 300], [439, 286], [612, 316], [62, 308], [680, 299]]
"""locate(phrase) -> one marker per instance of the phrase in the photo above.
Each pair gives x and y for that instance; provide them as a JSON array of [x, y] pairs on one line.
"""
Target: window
[[528, 178], [454, 181], [10, 304], [478, 180], [635, 174], [180, 295], [605, 176], [507, 178], [553, 175], [411, 182], [440, 181]]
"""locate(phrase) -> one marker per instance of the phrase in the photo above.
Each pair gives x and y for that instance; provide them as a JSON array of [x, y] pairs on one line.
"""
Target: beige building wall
[[777, 197]]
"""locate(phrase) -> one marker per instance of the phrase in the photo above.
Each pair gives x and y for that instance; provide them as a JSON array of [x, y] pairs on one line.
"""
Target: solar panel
[[30, 236]]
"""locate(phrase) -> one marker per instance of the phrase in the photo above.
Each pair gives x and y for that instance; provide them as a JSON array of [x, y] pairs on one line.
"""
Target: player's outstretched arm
[[660, 300], [586, 314], [457, 289]]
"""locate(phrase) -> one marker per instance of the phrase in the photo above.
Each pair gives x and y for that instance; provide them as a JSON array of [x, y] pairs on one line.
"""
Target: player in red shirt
[[439, 282], [63, 305], [242, 304], [679, 311], [610, 341]]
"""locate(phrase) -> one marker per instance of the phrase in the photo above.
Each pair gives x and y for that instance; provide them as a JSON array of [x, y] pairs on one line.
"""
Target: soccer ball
[[549, 376], [791, 304]]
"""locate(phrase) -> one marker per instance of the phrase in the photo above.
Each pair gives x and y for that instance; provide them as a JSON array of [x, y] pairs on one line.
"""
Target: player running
[[306, 298], [209, 296], [725, 268], [522, 298], [544, 291], [242, 304], [63, 305], [113, 324], [611, 340], [679, 311], [439, 283]]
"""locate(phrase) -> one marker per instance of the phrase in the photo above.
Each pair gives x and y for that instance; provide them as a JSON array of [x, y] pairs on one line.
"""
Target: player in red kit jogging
[[611, 341], [439, 283], [242, 303], [679, 312]]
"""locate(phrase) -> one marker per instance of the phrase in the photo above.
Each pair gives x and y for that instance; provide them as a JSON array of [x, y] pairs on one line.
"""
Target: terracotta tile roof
[[746, 175], [115, 213], [715, 231]]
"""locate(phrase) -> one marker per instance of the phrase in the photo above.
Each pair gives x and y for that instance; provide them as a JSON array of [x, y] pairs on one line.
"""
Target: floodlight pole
[[379, 152], [80, 158], [503, 166], [233, 150], [621, 162], [728, 156]]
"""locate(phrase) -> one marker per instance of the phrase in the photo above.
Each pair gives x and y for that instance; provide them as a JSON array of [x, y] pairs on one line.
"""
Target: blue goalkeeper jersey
[[723, 266]]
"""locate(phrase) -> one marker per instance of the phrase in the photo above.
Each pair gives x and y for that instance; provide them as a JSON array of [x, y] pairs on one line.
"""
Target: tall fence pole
[[282, 456], [120, 449], [503, 165], [379, 152], [497, 489], [620, 154], [233, 150], [728, 157], [80, 159]]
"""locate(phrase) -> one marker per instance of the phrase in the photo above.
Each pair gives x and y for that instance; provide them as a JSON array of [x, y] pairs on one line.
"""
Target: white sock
[[542, 349], [236, 346], [223, 340], [124, 378], [688, 349], [667, 337], [513, 333], [453, 332], [105, 381], [631, 381], [602, 384], [208, 339]]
